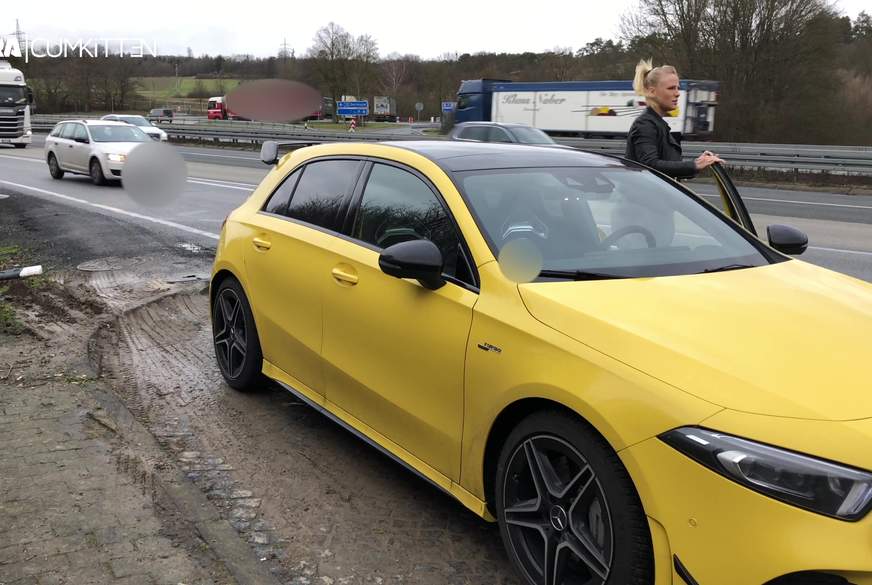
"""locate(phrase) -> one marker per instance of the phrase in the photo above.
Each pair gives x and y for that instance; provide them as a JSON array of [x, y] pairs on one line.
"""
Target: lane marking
[[840, 250], [198, 180], [808, 203], [164, 222], [746, 198], [27, 158], [224, 181], [221, 155], [210, 184]]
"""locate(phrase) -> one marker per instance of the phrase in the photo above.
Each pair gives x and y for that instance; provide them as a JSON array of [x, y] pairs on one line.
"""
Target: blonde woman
[[650, 141]]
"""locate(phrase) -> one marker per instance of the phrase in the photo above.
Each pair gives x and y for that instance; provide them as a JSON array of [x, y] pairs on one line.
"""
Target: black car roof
[[468, 156]]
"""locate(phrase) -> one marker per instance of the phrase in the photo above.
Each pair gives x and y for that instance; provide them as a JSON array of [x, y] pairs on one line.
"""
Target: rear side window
[[278, 201], [475, 133], [58, 130], [321, 192]]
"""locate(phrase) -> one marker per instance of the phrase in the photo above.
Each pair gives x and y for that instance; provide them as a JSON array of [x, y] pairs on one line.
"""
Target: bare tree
[[363, 66], [560, 64], [393, 74], [766, 53], [331, 56]]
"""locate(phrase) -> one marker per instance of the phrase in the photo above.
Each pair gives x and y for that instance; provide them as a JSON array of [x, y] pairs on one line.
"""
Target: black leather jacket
[[651, 143]]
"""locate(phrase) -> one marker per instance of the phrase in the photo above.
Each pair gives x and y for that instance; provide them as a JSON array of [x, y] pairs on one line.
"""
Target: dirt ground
[[122, 313]]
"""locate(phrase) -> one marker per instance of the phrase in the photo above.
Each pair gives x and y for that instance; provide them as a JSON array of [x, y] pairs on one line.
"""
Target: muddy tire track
[[298, 488]]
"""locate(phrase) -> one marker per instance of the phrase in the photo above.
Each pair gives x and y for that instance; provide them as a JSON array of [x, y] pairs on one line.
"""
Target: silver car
[[98, 148], [502, 132], [140, 122]]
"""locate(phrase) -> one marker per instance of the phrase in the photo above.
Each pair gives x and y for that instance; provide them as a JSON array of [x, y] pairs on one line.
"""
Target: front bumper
[[726, 534], [111, 170], [25, 138]]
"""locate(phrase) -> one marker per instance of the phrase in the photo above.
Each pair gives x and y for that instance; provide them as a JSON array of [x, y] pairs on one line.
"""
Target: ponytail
[[640, 81]]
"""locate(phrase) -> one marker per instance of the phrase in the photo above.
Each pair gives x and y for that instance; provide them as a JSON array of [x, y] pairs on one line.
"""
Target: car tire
[[576, 516], [96, 171], [54, 168], [234, 337]]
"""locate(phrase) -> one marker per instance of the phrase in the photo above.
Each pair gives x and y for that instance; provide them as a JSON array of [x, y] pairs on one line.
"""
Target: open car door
[[731, 201]]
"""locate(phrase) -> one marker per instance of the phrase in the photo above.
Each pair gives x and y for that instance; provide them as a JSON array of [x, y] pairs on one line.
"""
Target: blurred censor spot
[[154, 174], [520, 260], [274, 100]]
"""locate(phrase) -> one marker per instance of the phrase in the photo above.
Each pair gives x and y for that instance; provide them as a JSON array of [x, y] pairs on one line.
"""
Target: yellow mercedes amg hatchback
[[636, 387]]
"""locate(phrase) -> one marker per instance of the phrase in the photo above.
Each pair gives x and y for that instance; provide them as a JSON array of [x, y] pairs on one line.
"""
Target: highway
[[839, 226]]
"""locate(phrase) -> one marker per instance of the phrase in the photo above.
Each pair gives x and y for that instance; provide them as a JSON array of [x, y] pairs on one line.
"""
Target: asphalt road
[[839, 226]]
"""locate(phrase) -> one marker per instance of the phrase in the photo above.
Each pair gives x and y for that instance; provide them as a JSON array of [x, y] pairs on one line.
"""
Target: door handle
[[261, 244], [345, 275]]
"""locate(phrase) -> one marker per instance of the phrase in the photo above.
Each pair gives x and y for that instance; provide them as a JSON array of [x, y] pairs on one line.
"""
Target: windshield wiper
[[728, 267], [580, 275]]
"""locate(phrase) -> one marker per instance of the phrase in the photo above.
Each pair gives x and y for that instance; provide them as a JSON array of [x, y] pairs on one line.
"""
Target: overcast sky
[[427, 29]]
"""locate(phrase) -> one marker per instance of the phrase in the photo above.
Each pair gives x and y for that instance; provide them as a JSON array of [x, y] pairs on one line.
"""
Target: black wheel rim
[[556, 514], [231, 336]]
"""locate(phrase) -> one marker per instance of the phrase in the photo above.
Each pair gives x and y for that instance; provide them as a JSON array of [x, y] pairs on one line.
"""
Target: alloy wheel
[[556, 513], [231, 337]]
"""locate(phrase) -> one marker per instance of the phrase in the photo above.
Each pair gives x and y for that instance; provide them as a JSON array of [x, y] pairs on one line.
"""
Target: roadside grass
[[369, 127], [8, 253], [9, 323], [38, 282], [162, 88]]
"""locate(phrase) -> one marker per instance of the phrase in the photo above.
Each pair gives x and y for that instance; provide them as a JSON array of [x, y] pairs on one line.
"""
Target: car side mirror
[[787, 239], [418, 259], [269, 152], [82, 140]]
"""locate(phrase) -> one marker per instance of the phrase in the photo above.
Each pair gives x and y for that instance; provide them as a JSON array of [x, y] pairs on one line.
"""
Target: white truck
[[582, 108], [384, 109], [15, 101]]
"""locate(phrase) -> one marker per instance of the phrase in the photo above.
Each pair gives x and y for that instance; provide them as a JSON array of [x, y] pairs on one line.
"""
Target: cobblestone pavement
[[77, 507], [178, 478]]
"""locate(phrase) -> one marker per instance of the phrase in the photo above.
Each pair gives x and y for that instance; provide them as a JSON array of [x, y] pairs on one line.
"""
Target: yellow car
[[636, 387]]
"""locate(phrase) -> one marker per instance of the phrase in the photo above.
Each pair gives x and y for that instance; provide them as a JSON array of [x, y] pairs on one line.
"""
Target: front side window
[[397, 207], [135, 120], [531, 136], [606, 220], [497, 134], [68, 132], [322, 190], [80, 132]]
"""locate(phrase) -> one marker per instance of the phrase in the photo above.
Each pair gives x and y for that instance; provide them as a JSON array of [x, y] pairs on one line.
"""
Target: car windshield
[[12, 95], [157, 113], [606, 222], [135, 120], [107, 133], [531, 136]]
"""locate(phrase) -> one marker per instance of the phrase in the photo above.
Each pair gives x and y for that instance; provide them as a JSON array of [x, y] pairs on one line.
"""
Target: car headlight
[[820, 486], [117, 157]]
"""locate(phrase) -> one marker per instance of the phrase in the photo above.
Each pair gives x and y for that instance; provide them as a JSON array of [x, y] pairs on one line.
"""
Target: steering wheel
[[627, 230], [396, 235]]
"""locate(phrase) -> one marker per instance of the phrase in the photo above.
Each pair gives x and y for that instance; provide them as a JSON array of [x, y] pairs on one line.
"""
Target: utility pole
[[284, 54]]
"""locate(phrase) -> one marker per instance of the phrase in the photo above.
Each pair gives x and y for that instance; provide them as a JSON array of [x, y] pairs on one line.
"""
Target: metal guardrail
[[856, 160]]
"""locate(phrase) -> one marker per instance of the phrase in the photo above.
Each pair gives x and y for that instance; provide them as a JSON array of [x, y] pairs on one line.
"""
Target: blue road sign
[[359, 108], [448, 106]]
